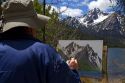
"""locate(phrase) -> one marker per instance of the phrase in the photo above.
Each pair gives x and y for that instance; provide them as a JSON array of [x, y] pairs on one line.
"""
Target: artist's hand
[[72, 63]]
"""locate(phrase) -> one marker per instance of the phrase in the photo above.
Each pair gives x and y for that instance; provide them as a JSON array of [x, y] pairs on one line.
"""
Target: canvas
[[87, 52], [116, 65]]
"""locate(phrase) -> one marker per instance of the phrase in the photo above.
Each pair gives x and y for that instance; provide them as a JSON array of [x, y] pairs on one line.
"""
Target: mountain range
[[109, 27]]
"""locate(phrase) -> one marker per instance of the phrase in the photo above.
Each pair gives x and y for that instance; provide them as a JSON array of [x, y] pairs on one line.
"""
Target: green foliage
[[38, 7], [55, 30], [50, 28]]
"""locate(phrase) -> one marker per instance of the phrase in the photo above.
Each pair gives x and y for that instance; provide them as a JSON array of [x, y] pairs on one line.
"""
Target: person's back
[[24, 59], [20, 61]]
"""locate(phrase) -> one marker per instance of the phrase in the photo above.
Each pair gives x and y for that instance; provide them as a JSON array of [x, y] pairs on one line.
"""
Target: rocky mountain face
[[84, 55], [92, 16], [109, 27]]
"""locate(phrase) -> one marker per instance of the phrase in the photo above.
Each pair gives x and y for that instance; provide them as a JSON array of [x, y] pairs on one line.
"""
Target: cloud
[[71, 12], [65, 11], [53, 7], [102, 4], [74, 3], [80, 3]]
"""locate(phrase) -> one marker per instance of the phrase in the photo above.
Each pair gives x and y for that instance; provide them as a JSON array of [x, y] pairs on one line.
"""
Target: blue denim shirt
[[30, 61]]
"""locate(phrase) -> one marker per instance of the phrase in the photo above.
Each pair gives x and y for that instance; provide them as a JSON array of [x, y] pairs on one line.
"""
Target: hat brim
[[31, 22]]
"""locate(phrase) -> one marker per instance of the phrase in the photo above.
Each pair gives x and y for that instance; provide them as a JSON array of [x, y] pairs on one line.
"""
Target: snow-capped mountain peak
[[99, 25], [100, 18], [94, 16]]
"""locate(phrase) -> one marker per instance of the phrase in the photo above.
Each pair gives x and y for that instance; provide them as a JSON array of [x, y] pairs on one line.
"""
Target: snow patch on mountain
[[96, 21], [93, 17], [81, 20], [100, 19]]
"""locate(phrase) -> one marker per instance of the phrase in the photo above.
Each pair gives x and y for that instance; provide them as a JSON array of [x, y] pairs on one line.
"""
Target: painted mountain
[[89, 60], [109, 27]]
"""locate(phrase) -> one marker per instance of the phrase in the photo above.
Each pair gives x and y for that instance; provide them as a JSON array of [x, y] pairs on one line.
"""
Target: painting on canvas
[[87, 52]]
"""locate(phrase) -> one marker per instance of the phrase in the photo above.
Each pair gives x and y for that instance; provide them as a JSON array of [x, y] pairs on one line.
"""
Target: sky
[[76, 8]]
